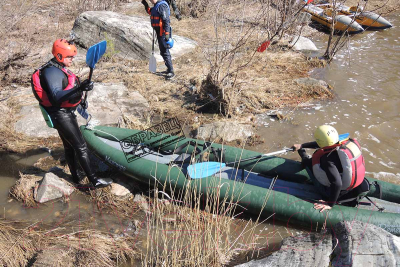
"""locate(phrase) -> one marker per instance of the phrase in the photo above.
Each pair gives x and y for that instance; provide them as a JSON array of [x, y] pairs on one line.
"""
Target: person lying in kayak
[[338, 165], [59, 92]]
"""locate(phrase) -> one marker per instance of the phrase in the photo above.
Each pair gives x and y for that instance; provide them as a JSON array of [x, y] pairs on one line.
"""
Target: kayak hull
[[367, 19], [291, 199], [342, 22]]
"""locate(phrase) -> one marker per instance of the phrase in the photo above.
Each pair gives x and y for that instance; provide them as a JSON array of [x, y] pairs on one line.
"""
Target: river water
[[366, 82]]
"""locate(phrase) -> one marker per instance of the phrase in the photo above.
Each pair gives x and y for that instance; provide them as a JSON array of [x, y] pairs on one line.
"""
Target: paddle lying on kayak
[[205, 169]]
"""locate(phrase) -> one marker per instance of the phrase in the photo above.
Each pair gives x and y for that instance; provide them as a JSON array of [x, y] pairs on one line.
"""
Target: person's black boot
[[77, 176], [170, 75], [100, 182]]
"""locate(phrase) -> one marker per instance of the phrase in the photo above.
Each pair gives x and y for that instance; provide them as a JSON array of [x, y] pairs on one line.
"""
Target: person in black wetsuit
[[59, 92], [338, 166], [160, 21]]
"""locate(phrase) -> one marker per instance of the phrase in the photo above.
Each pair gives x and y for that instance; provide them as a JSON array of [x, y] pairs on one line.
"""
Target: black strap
[[378, 187], [381, 209]]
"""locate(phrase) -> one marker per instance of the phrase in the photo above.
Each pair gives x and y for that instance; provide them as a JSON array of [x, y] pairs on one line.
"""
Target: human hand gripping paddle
[[94, 53], [205, 169]]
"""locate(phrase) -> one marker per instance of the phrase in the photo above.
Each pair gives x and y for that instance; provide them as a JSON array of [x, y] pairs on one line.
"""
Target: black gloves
[[146, 6], [86, 85], [84, 104]]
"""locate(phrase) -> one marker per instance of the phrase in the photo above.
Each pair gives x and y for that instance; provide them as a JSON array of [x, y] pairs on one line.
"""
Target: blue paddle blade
[[95, 52], [204, 169], [344, 136]]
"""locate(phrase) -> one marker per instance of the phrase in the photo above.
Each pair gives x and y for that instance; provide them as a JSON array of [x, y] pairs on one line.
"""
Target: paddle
[[94, 53], [205, 169], [152, 62]]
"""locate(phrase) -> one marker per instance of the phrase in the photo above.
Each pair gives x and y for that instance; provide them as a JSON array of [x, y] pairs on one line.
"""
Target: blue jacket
[[159, 17]]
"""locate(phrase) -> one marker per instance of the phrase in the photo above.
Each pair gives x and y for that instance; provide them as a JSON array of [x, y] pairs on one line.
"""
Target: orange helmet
[[63, 48]]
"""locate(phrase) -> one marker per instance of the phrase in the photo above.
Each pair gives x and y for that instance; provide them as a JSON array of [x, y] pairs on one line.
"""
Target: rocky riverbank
[[352, 243]]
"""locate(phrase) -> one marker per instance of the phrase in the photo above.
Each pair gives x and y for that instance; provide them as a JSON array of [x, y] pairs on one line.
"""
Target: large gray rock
[[107, 104], [300, 43], [52, 187], [30, 118], [311, 82], [361, 245], [131, 35], [32, 123], [302, 250], [227, 131]]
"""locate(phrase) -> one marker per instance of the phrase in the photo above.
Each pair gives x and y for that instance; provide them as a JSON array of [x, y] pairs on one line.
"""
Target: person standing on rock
[[59, 92], [160, 21], [338, 167]]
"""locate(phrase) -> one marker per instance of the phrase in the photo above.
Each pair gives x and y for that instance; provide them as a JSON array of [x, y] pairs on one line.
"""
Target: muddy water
[[366, 81]]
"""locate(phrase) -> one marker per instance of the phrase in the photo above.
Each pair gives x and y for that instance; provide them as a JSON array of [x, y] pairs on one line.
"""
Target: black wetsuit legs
[[74, 144]]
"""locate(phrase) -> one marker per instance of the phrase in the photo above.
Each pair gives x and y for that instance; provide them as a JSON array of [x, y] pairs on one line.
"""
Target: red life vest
[[352, 161], [41, 95]]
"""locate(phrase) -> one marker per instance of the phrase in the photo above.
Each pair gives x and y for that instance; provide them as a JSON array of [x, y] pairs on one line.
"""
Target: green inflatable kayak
[[172, 160]]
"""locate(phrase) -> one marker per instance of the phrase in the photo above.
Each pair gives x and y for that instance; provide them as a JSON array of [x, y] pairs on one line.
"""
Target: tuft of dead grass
[[32, 244], [23, 190], [198, 229]]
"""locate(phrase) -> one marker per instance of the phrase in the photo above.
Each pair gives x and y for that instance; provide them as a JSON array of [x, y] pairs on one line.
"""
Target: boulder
[[360, 244], [30, 118], [303, 250], [120, 190], [311, 82], [107, 104], [300, 43], [130, 35], [52, 187], [227, 131], [32, 123]]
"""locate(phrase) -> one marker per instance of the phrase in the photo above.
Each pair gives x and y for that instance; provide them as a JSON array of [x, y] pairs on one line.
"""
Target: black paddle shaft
[[152, 49], [237, 161], [260, 156], [90, 79]]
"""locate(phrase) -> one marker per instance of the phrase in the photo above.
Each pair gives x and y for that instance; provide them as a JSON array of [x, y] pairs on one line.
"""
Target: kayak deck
[[306, 192]]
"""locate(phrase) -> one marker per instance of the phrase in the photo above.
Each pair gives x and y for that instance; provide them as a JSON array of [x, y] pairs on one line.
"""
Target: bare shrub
[[93, 5], [338, 42], [237, 35]]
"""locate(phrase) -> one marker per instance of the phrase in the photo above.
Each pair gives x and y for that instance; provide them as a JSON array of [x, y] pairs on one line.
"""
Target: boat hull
[[366, 19], [342, 22], [111, 145]]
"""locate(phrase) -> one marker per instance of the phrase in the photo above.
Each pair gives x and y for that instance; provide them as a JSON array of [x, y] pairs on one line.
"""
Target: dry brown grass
[[20, 244], [192, 229], [23, 189]]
